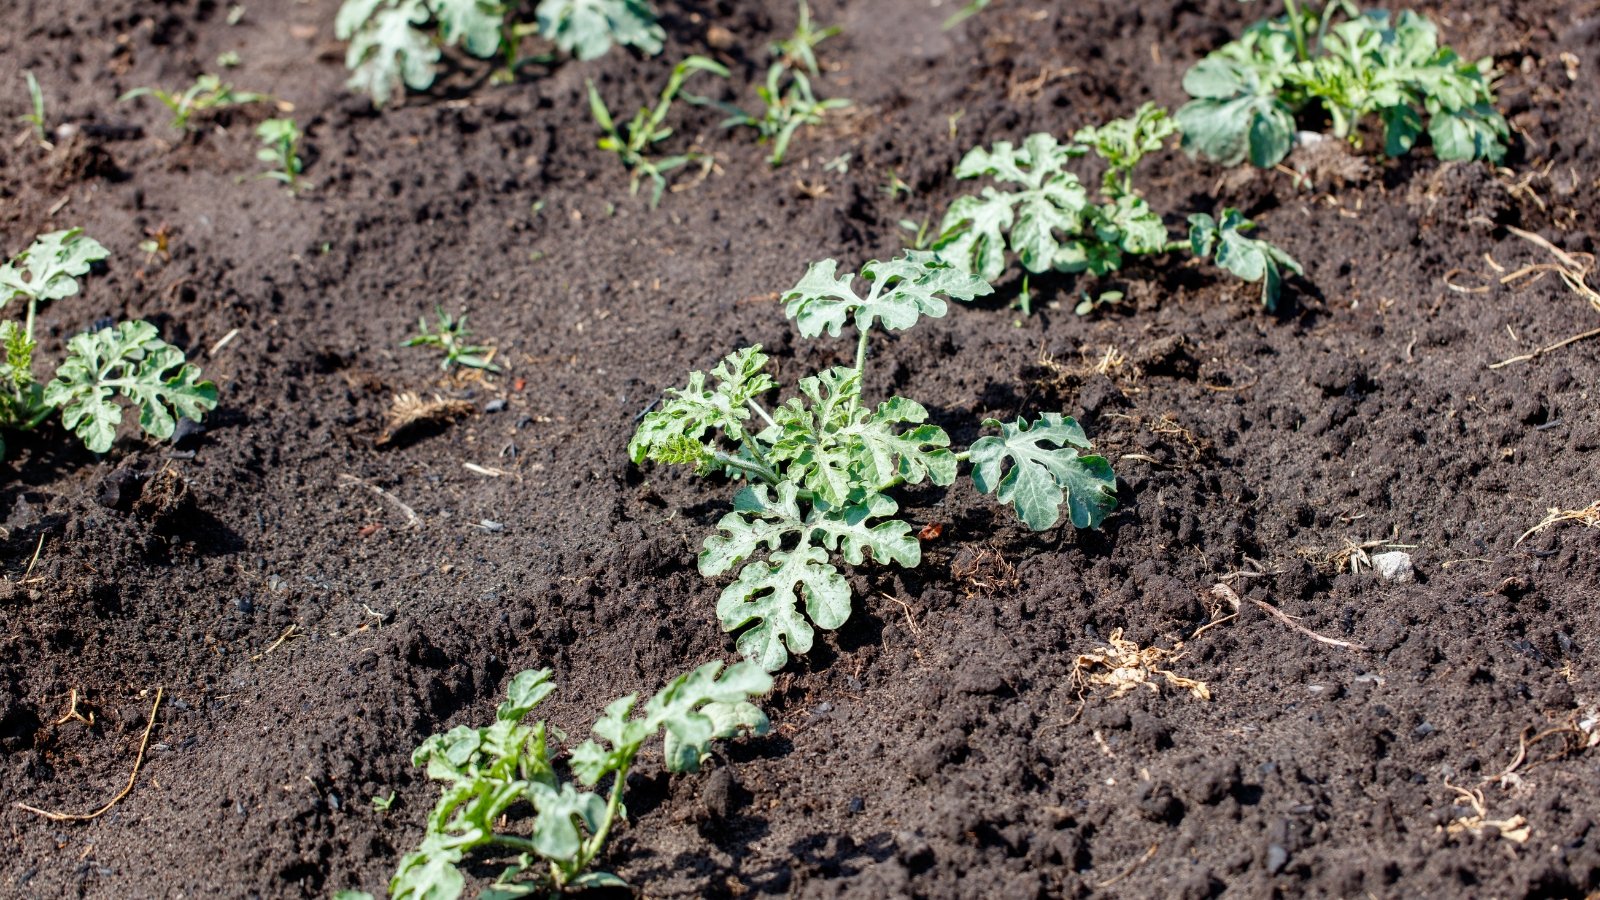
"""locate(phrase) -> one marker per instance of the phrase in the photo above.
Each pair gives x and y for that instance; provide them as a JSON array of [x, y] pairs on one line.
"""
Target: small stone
[[1277, 857], [857, 804], [1394, 566], [494, 406]]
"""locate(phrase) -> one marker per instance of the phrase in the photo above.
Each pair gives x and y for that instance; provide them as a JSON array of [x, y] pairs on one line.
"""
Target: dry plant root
[[133, 776], [408, 411], [1124, 667], [1589, 516], [1515, 829]]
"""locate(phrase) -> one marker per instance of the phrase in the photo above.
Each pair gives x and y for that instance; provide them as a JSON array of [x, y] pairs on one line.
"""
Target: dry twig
[[1230, 597], [412, 519]]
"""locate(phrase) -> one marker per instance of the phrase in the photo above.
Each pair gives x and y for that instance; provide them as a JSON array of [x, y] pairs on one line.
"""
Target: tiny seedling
[[36, 117], [1046, 218], [128, 359], [820, 466], [783, 110], [1248, 93], [449, 336], [799, 49], [207, 93], [919, 233], [490, 774], [281, 147], [966, 12], [894, 186], [1091, 302], [648, 128], [1246, 257], [392, 48], [383, 804]]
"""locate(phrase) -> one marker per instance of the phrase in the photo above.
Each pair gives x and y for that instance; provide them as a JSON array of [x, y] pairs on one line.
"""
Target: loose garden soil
[[306, 635]]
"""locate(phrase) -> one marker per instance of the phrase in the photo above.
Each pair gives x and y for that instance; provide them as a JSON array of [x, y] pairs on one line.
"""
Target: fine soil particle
[[308, 634]]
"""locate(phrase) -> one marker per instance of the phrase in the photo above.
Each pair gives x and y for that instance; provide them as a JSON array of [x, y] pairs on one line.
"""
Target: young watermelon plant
[[1248, 93], [1042, 212], [488, 773], [392, 46], [129, 359], [819, 468]]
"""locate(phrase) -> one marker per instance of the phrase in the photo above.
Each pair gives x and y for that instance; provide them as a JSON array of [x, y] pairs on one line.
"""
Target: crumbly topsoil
[[306, 637]]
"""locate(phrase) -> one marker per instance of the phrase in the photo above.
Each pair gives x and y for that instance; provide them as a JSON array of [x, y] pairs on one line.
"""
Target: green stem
[[760, 411], [27, 330], [861, 351], [591, 847], [765, 473], [511, 841], [1298, 27]]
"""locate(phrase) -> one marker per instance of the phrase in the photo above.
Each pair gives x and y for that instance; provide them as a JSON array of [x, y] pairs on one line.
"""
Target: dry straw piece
[[1124, 667]]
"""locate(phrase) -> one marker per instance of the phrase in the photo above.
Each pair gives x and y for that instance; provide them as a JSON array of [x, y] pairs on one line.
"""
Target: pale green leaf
[[1019, 468], [132, 361], [388, 48], [1049, 199], [1251, 259], [588, 28], [686, 414], [767, 595], [759, 519], [699, 707], [49, 268], [562, 812], [474, 24]]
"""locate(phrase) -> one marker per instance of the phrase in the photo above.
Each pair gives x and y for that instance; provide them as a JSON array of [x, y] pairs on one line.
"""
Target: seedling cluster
[[648, 127], [1043, 214], [1349, 65], [820, 472], [487, 773], [128, 360], [208, 92]]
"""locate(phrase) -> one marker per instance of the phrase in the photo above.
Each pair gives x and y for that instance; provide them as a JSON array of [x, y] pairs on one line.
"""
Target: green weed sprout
[[281, 140], [819, 468], [784, 111], [799, 49], [36, 117], [449, 336], [207, 93], [648, 127]]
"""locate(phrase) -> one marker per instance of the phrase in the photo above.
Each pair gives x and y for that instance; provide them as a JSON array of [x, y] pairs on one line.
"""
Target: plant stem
[[1298, 27], [591, 847], [760, 411], [763, 472], [520, 844], [861, 351]]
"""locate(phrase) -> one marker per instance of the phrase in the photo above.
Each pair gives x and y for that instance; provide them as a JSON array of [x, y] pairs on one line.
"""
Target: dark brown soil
[[933, 747]]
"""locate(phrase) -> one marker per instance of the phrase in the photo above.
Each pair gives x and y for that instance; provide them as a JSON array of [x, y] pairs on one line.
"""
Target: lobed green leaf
[[1020, 469]]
